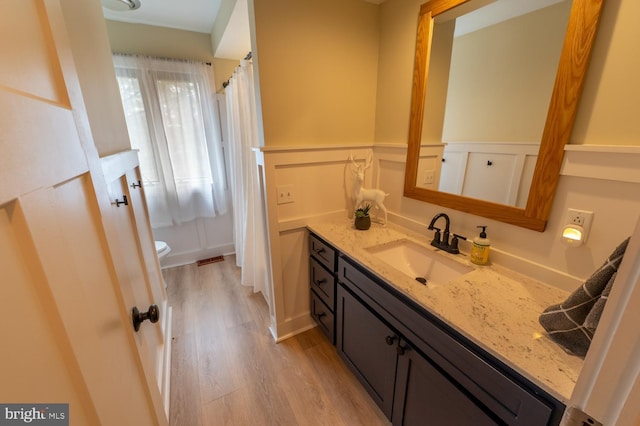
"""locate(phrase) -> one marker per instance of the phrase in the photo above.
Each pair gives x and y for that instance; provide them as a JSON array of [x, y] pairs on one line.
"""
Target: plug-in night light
[[573, 235]]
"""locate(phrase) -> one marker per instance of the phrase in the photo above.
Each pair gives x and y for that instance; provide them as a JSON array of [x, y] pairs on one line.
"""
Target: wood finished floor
[[227, 369]]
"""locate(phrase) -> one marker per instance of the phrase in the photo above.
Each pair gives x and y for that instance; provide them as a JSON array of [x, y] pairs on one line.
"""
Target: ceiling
[[191, 15], [498, 11], [194, 15]]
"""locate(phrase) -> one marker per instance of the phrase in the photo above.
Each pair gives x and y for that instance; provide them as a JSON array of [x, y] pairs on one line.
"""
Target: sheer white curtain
[[248, 213], [173, 120]]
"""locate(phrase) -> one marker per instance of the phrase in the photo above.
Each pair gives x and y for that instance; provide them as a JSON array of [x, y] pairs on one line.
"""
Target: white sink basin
[[419, 262]]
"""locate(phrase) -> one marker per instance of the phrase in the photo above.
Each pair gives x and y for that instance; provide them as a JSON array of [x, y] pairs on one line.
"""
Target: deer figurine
[[374, 196]]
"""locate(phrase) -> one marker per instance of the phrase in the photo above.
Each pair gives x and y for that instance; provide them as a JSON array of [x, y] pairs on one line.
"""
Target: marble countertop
[[494, 307]]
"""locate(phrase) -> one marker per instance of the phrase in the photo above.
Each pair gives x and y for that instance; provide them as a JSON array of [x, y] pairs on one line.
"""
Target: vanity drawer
[[323, 252], [322, 282], [323, 316]]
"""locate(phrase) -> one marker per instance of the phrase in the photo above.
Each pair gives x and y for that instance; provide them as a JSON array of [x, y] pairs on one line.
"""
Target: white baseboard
[[292, 326], [184, 258]]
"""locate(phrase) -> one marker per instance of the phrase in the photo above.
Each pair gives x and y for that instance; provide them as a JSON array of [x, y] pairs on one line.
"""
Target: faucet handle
[[436, 236], [454, 243]]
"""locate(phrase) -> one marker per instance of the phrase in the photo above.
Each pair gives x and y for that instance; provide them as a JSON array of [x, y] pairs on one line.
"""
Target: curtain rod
[[164, 58], [246, 58]]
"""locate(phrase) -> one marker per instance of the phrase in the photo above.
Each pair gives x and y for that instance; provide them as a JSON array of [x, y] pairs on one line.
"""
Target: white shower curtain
[[249, 218]]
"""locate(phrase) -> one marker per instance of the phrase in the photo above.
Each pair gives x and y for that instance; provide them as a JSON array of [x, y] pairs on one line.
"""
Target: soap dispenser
[[480, 249]]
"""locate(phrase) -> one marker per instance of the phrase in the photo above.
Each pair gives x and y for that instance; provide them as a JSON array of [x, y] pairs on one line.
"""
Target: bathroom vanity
[[468, 351]]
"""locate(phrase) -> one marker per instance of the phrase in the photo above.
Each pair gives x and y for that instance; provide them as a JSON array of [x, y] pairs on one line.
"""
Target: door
[[608, 388], [66, 326], [132, 241], [368, 346], [425, 396]]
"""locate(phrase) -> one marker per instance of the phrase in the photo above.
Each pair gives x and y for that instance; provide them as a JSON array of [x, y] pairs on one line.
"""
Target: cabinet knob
[[390, 340], [320, 282], [320, 250], [400, 350]]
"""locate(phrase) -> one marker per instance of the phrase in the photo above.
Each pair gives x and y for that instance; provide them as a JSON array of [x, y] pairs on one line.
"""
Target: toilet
[[162, 249]]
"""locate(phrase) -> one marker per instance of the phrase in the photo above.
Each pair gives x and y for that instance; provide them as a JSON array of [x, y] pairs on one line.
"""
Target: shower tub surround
[[494, 307]]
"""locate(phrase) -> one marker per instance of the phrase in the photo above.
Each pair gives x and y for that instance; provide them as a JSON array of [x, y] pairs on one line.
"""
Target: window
[[173, 121]]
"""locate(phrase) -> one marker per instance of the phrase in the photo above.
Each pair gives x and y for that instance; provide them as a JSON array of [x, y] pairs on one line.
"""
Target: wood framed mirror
[[569, 79]]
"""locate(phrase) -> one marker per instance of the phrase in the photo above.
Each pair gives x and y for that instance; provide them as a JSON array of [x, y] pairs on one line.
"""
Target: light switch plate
[[429, 177], [285, 194]]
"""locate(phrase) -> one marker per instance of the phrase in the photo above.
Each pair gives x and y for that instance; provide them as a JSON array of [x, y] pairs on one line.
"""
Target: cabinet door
[[490, 176], [452, 172], [425, 396], [368, 346]]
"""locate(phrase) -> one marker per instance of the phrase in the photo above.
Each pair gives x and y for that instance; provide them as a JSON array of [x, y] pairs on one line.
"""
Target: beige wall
[[220, 24], [502, 76], [608, 112], [605, 116], [608, 107], [92, 55], [317, 65], [162, 42], [438, 82], [159, 41], [398, 26]]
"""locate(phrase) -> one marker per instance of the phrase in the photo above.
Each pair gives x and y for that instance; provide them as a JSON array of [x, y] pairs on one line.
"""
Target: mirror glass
[[496, 85], [491, 74]]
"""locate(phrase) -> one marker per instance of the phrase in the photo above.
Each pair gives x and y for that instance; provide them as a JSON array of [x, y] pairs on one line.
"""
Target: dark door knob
[[153, 314]]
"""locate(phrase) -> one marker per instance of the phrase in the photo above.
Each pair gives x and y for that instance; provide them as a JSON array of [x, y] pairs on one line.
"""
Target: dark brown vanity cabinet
[[420, 371], [367, 345], [416, 367], [404, 384], [322, 280], [425, 395]]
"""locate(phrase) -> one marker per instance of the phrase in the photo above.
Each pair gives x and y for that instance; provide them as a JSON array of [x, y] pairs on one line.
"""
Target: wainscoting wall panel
[[322, 187]]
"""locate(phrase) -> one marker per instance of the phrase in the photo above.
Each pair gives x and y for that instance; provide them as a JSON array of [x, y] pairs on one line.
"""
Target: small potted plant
[[363, 221]]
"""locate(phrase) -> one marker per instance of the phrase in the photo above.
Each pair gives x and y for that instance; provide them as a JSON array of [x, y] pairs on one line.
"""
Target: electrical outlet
[[582, 218], [578, 217], [285, 194]]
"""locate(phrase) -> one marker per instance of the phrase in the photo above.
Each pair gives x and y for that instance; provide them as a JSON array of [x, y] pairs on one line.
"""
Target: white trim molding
[[318, 178], [608, 162]]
